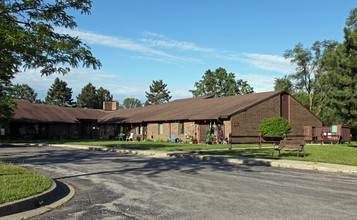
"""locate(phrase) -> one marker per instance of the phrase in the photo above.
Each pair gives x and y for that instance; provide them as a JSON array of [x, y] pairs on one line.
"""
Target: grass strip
[[345, 154], [18, 182]]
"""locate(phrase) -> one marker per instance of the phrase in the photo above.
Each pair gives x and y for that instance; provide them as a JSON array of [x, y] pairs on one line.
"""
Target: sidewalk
[[304, 165]]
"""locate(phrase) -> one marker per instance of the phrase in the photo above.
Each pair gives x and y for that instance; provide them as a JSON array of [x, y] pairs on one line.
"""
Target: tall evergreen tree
[[23, 91], [59, 94], [220, 83], [342, 78], [103, 96], [90, 97], [158, 93]]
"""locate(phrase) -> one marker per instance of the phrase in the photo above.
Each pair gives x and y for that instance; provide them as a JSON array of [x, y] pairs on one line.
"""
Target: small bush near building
[[275, 126]]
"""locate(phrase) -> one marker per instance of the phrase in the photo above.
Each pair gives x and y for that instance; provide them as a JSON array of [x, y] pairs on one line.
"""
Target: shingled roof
[[191, 109], [42, 113]]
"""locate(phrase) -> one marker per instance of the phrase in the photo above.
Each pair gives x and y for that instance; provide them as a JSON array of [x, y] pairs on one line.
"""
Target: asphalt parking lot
[[118, 186]]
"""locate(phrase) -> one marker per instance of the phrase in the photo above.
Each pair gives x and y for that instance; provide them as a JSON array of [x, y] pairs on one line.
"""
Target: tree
[[342, 78], [103, 96], [158, 93], [220, 83], [284, 84], [90, 97], [310, 73], [29, 38], [131, 103], [23, 91], [59, 94]]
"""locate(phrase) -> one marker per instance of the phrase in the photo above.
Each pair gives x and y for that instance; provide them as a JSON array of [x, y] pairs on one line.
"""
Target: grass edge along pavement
[[344, 154], [18, 182]]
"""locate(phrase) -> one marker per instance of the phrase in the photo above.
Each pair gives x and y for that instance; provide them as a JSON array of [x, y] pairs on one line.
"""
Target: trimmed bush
[[275, 126]]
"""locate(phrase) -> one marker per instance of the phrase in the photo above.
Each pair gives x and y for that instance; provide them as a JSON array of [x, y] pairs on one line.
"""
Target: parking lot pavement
[[118, 186]]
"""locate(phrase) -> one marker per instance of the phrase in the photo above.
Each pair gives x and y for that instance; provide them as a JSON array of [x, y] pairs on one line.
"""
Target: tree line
[[216, 83], [326, 76]]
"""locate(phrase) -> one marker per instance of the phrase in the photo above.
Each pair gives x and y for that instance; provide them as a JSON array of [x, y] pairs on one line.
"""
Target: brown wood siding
[[285, 106], [300, 116], [250, 120]]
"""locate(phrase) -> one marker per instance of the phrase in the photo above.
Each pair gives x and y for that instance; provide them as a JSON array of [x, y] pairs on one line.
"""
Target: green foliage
[[31, 38], [23, 91], [90, 97], [131, 103], [59, 94], [220, 83], [275, 126], [7, 109], [284, 84], [103, 95], [342, 77], [158, 93], [309, 78]]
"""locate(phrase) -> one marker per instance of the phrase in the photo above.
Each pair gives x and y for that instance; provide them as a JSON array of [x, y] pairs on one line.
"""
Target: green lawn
[[18, 182], [329, 153]]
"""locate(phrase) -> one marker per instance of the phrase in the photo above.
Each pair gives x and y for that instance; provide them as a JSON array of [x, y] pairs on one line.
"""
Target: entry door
[[203, 133], [145, 129]]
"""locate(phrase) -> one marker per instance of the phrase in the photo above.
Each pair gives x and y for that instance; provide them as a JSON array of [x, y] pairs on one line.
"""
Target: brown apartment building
[[238, 115]]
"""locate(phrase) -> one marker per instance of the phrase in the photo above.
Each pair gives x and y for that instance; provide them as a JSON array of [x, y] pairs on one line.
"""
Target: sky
[[177, 41]]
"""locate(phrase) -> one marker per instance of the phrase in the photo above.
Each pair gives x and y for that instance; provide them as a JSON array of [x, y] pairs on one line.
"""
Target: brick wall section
[[249, 120], [300, 116], [227, 128], [153, 130]]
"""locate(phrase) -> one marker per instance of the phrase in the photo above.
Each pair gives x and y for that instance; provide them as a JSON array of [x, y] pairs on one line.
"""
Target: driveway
[[117, 186]]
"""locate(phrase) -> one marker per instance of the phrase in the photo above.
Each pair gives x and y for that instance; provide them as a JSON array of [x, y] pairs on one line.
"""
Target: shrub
[[275, 126]]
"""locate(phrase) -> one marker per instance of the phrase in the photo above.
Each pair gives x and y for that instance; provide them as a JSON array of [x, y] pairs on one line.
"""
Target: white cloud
[[76, 79], [125, 44], [165, 42], [268, 62], [258, 82]]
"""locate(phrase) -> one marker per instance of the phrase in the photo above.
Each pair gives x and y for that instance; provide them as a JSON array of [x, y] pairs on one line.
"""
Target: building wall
[[189, 128], [106, 131], [250, 120], [300, 116], [227, 128]]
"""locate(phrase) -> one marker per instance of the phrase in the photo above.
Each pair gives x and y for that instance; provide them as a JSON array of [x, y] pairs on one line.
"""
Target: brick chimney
[[111, 106]]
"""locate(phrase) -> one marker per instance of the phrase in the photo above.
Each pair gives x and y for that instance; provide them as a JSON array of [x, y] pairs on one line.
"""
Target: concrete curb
[[38, 211], [304, 165], [29, 202]]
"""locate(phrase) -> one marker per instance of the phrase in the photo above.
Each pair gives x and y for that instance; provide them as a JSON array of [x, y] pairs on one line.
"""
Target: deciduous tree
[[23, 91], [30, 38], [131, 103], [220, 83]]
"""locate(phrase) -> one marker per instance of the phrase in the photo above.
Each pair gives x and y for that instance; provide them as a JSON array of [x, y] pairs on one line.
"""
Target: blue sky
[[138, 41]]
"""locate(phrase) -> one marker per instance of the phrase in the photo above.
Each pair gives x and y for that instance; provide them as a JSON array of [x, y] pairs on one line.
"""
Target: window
[[161, 128], [138, 129], [181, 128]]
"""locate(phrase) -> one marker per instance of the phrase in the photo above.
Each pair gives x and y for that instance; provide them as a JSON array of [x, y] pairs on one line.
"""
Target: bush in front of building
[[275, 126]]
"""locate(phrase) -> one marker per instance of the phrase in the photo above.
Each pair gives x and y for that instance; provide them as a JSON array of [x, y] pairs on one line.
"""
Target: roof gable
[[200, 108]]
